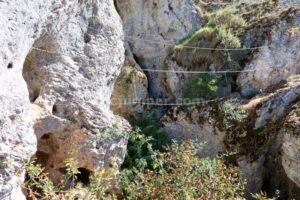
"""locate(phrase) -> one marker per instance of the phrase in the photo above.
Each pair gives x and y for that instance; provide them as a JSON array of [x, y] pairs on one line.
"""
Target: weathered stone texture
[[69, 83]]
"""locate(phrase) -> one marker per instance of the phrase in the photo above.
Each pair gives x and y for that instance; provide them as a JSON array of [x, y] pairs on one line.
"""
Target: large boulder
[[59, 60]]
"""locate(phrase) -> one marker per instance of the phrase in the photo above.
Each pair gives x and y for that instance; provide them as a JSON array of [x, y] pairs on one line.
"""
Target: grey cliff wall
[[54, 99]]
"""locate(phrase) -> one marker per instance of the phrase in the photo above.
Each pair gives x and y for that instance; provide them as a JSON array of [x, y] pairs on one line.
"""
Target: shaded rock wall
[[281, 166], [291, 146], [197, 123]]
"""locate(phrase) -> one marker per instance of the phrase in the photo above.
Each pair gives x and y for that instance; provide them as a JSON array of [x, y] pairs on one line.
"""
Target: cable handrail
[[157, 70], [200, 48], [198, 72], [187, 46]]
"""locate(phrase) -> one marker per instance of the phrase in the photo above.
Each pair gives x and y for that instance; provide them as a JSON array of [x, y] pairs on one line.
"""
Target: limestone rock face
[[130, 87], [197, 123], [273, 105], [57, 94], [288, 2], [151, 27], [279, 60], [291, 145], [253, 172]]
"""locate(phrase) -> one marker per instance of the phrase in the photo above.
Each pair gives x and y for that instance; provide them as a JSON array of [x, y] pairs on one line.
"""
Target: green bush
[[37, 182], [183, 175], [175, 173], [231, 114], [222, 30], [140, 154], [204, 86], [150, 127]]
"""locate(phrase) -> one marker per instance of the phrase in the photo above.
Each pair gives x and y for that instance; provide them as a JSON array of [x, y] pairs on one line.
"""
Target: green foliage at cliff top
[[222, 30]]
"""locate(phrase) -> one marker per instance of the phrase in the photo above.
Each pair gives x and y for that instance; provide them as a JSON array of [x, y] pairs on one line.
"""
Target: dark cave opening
[[83, 176], [10, 66]]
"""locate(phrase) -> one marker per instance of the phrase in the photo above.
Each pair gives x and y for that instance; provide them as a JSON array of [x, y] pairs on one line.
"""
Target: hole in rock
[[10, 65], [63, 170], [54, 110], [87, 38], [84, 176], [45, 137], [60, 109], [31, 76]]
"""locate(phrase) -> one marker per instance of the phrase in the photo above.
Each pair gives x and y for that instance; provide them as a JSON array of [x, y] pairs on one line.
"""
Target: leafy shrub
[[109, 134], [150, 127], [222, 30], [263, 196], [182, 175], [145, 140], [231, 114], [204, 86], [37, 183], [39, 186], [71, 170], [140, 154]]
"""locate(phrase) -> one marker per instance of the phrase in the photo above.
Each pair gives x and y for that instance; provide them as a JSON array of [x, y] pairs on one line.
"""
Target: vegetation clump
[[231, 114], [180, 174], [140, 153], [222, 30], [147, 173], [204, 86], [37, 183], [201, 50], [174, 173], [150, 127]]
